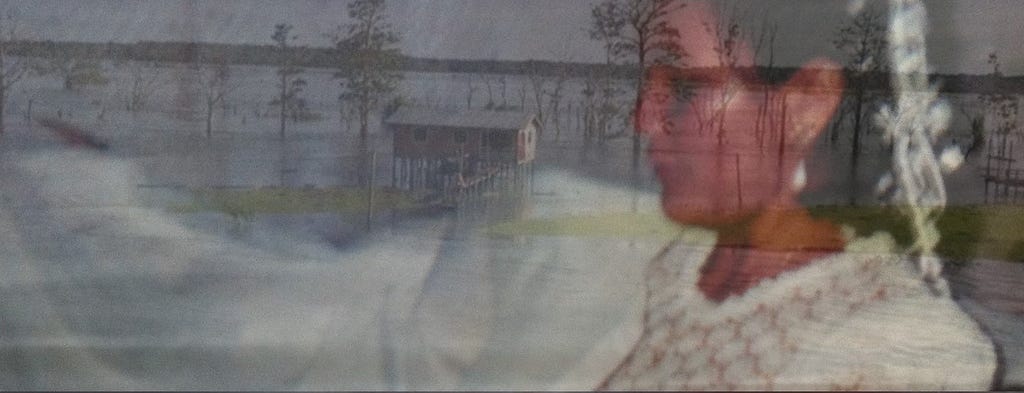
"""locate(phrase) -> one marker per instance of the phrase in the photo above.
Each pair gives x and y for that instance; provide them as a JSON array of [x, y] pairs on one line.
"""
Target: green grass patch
[[1000, 233], [962, 227], [968, 232], [866, 220], [615, 224], [246, 203]]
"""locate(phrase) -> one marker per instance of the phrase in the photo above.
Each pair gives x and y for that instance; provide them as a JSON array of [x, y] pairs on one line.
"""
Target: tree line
[[325, 57]]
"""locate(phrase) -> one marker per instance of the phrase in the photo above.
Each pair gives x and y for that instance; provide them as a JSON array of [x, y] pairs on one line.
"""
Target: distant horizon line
[[462, 59]]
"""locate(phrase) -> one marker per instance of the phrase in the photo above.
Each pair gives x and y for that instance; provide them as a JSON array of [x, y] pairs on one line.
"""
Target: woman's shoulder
[[859, 318]]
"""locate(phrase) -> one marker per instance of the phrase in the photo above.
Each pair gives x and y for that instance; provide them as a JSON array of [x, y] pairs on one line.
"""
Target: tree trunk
[[522, 97], [209, 118], [284, 92], [857, 114], [341, 117], [3, 100], [490, 93], [363, 123], [504, 100], [641, 61], [556, 115], [363, 164], [855, 149]]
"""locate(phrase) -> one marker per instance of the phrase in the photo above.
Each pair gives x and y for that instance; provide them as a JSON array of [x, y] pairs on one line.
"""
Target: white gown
[[862, 319]]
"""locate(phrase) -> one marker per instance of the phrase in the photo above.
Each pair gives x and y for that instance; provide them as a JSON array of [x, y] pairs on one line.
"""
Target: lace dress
[[862, 319]]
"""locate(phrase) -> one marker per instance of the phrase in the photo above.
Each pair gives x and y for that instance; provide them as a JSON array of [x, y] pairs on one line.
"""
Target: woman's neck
[[773, 241]]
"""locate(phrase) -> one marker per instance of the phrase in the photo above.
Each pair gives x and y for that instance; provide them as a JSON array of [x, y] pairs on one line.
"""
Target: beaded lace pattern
[[834, 324]]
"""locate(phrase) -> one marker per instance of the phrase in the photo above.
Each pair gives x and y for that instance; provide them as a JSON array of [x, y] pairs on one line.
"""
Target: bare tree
[[607, 24], [370, 44], [1001, 108], [638, 31], [863, 41], [592, 108], [555, 96], [608, 108], [767, 122], [503, 82], [977, 132], [589, 106], [144, 80], [72, 66], [538, 82], [522, 95], [727, 36], [290, 85], [216, 85], [76, 72], [470, 89], [609, 21], [490, 92], [12, 68]]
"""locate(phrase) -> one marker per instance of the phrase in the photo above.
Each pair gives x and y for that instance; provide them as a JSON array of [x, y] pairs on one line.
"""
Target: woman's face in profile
[[712, 164]]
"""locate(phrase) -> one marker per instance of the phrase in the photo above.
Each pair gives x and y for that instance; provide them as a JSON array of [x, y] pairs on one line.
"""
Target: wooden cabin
[[437, 149]]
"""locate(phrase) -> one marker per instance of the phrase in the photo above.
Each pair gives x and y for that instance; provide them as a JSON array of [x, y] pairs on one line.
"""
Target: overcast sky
[[963, 31]]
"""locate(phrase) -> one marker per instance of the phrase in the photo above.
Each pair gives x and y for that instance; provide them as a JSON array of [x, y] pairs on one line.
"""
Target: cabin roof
[[467, 119]]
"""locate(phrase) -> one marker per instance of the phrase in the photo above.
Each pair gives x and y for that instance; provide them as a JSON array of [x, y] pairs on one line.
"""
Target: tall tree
[[724, 32], [737, 41], [609, 20], [12, 69], [1002, 108], [74, 70], [863, 41], [369, 44], [555, 96], [470, 89], [638, 31], [538, 82], [765, 119], [216, 86], [289, 85], [144, 80]]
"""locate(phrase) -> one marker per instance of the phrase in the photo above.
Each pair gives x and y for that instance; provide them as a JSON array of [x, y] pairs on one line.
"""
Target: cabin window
[[459, 136], [420, 135]]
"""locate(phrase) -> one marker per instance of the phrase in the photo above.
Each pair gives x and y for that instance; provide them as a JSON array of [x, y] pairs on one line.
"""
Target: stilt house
[[435, 149]]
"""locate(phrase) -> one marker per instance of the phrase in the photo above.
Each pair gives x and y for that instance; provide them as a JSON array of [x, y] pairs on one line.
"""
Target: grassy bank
[[992, 231], [246, 203], [616, 224]]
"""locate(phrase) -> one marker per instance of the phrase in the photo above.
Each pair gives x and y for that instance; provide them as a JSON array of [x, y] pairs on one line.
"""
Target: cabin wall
[[439, 142], [431, 162]]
